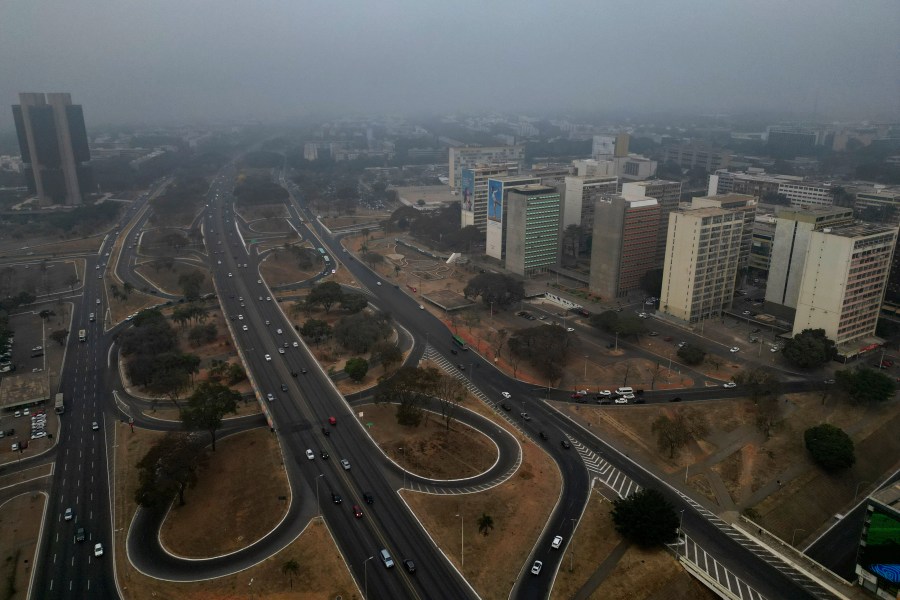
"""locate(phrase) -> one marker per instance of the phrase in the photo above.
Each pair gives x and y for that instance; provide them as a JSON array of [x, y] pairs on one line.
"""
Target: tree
[[315, 330], [691, 354], [758, 382], [354, 303], [202, 334], [809, 349], [59, 336], [409, 387], [450, 393], [373, 258], [190, 284], [495, 288], [546, 347], [651, 282], [830, 447], [167, 470], [206, 407], [326, 294], [387, 353], [235, 374], [485, 524], [865, 386], [358, 333], [671, 434], [71, 281], [646, 518], [624, 324], [290, 568], [46, 314], [356, 368]]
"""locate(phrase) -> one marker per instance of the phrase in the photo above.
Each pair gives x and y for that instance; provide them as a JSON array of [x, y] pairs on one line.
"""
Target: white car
[[604, 393], [774, 349], [621, 400], [270, 397], [278, 331], [268, 358], [345, 463], [734, 349], [557, 542], [240, 317], [295, 345], [68, 514], [245, 328], [536, 567], [268, 298], [730, 385], [310, 454], [229, 274], [421, 307], [98, 549], [95, 426], [570, 329], [281, 351], [377, 283], [98, 300], [506, 394], [259, 281]]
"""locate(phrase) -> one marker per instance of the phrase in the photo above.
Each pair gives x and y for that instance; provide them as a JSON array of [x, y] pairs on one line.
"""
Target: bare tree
[[450, 393]]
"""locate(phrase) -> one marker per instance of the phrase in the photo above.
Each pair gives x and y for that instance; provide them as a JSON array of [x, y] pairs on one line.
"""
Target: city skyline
[[279, 61]]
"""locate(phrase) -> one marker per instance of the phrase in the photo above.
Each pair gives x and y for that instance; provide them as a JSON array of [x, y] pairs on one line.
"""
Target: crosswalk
[[602, 470], [714, 573]]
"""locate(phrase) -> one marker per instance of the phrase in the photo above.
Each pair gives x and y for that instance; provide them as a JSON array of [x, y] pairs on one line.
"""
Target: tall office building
[[625, 231], [843, 285], [468, 157], [879, 204], [609, 145], [474, 192], [703, 248], [498, 187], [793, 228], [738, 202], [533, 215], [54, 146], [667, 194], [579, 193]]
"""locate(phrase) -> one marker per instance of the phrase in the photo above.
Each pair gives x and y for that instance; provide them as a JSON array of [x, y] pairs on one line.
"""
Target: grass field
[[167, 279]]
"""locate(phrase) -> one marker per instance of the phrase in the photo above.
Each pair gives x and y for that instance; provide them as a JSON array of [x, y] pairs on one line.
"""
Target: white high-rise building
[[468, 157]]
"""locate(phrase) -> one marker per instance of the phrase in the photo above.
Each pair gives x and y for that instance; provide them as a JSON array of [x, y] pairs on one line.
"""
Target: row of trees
[[495, 289], [328, 294]]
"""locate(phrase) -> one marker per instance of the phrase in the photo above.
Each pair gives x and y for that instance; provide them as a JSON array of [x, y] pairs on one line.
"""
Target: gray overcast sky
[[130, 60]]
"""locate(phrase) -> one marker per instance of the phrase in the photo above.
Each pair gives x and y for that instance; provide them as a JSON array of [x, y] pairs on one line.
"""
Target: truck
[[82, 335], [58, 405]]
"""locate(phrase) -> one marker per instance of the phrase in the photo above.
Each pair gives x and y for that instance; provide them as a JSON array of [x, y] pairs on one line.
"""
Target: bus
[[321, 250], [58, 406], [459, 342], [82, 335]]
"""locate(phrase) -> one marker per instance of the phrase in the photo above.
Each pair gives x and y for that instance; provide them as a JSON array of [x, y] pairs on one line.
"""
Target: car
[[368, 498], [310, 454], [260, 298], [26, 412], [506, 407], [668, 338], [357, 511], [557, 542], [421, 307], [79, 534], [281, 351], [98, 549], [295, 345], [14, 447], [259, 281], [377, 283], [68, 514], [303, 371], [675, 399], [653, 334], [268, 357], [268, 322], [682, 344], [245, 328], [18, 413], [461, 366], [409, 565], [525, 416], [229, 274], [270, 397], [570, 329], [746, 313], [268, 298], [332, 421], [536, 567], [326, 432], [729, 385], [829, 381], [774, 349], [323, 454], [603, 394], [98, 300], [734, 349], [506, 395], [622, 400], [336, 498], [345, 463], [278, 331], [38, 434], [95, 425], [240, 298], [565, 444], [453, 352], [576, 395]]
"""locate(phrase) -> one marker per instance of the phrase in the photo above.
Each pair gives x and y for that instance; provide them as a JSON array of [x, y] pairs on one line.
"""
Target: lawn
[[20, 522], [429, 450]]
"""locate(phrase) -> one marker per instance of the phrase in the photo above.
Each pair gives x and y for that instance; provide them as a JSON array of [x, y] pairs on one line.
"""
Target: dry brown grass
[[519, 508], [236, 501], [119, 308], [429, 450], [280, 268], [323, 573], [174, 414], [20, 522], [167, 279], [650, 574]]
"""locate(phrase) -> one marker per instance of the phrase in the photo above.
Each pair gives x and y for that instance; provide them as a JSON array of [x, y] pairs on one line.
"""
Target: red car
[[576, 396], [357, 511], [332, 421]]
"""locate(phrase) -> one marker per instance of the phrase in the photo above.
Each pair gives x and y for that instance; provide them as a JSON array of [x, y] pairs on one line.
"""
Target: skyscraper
[[54, 147], [625, 230], [532, 214]]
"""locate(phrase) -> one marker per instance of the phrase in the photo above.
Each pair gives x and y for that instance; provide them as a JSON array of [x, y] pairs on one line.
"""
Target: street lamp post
[[366, 577], [403, 467], [572, 549], [318, 506], [585, 367], [462, 543], [617, 341]]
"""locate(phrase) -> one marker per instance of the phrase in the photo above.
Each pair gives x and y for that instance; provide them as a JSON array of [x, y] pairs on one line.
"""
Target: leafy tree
[[865, 385], [409, 387], [758, 382], [315, 330], [59, 336], [206, 407], [387, 353], [190, 284], [809, 349], [485, 524], [830, 447], [651, 282], [691, 354], [354, 303], [501, 290], [358, 333], [236, 374], [290, 568], [326, 294], [646, 518], [167, 470], [546, 347], [202, 334], [674, 433], [625, 324], [356, 368], [46, 314], [373, 258], [607, 320]]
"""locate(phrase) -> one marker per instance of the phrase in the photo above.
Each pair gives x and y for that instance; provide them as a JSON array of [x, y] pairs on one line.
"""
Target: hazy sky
[[152, 60]]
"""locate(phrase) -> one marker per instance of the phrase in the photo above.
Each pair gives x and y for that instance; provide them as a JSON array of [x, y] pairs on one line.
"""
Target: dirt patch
[[280, 268], [519, 508], [167, 279], [594, 539], [651, 574], [236, 500], [348, 221], [259, 212], [246, 407], [274, 225], [323, 573], [41, 277], [429, 450], [20, 522]]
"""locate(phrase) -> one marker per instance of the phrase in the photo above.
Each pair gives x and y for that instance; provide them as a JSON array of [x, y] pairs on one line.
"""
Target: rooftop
[[889, 496], [859, 229], [28, 387]]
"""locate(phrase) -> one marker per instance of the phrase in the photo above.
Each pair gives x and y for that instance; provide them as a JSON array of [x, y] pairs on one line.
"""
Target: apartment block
[[844, 281], [54, 147], [703, 249], [533, 214], [793, 228], [495, 236], [668, 195], [579, 194], [761, 247], [739, 202], [624, 247], [879, 204], [474, 192], [468, 157], [688, 156]]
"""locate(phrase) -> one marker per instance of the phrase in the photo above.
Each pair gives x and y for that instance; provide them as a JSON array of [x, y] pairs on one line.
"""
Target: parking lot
[[18, 428]]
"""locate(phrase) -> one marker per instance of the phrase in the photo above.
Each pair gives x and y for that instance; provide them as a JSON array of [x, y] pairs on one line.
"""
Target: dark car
[[675, 399], [323, 454], [543, 435], [325, 431], [506, 407], [303, 371], [454, 352], [410, 565], [283, 387], [336, 498], [462, 367], [357, 511], [79, 534], [293, 373], [368, 498], [565, 444]]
